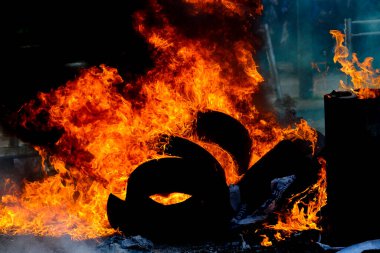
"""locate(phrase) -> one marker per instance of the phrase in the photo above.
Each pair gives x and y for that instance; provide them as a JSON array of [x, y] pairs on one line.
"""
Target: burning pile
[[95, 130]]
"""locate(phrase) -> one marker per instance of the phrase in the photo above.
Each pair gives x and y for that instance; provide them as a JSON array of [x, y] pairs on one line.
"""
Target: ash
[[237, 243], [247, 241], [37, 244]]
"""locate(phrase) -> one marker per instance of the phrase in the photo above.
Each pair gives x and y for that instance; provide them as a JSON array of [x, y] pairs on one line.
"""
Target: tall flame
[[364, 77], [109, 126], [304, 215]]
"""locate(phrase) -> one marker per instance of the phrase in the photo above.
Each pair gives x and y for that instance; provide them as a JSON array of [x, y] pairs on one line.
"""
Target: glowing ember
[[304, 214], [171, 198], [265, 242], [107, 133], [278, 236], [365, 79]]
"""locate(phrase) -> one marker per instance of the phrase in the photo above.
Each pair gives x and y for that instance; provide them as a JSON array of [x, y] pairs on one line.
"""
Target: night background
[[47, 44]]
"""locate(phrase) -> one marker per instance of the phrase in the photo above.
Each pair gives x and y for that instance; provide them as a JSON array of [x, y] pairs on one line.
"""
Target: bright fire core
[[107, 132]]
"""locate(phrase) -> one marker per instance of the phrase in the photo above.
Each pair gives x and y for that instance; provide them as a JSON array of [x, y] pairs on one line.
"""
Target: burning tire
[[207, 212], [193, 171]]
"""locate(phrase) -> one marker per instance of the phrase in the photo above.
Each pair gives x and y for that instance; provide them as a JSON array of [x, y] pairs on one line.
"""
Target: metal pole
[[304, 49], [364, 34], [347, 41], [272, 62], [348, 34], [369, 21]]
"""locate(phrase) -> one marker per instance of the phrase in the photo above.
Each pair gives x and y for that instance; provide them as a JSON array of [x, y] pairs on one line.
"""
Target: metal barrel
[[352, 142]]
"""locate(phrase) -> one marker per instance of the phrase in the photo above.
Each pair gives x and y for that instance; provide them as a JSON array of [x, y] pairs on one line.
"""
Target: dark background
[[46, 45]]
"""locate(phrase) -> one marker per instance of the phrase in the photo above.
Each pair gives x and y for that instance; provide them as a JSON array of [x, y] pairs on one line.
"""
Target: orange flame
[[364, 77], [107, 133], [171, 198], [303, 131], [304, 215], [266, 241]]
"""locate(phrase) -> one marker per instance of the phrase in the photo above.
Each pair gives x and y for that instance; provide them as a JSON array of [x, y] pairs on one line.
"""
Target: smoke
[[43, 43], [291, 23], [16, 170], [33, 244], [303, 47], [212, 20], [367, 46]]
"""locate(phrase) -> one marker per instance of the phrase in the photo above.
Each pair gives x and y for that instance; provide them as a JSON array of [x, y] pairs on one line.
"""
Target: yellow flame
[[107, 133], [364, 77], [303, 131], [171, 198], [305, 215], [266, 241]]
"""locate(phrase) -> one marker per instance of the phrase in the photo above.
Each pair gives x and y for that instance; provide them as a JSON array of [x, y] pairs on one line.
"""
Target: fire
[[108, 126], [365, 79], [304, 214], [303, 131], [171, 198], [266, 242]]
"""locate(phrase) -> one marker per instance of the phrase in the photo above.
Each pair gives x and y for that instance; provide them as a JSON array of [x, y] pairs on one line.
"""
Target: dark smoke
[[303, 48], [46, 44], [214, 26]]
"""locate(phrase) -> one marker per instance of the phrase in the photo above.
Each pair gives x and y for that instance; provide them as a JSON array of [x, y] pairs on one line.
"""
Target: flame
[[109, 126], [365, 79], [303, 131], [304, 214], [278, 236], [171, 198], [266, 241]]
